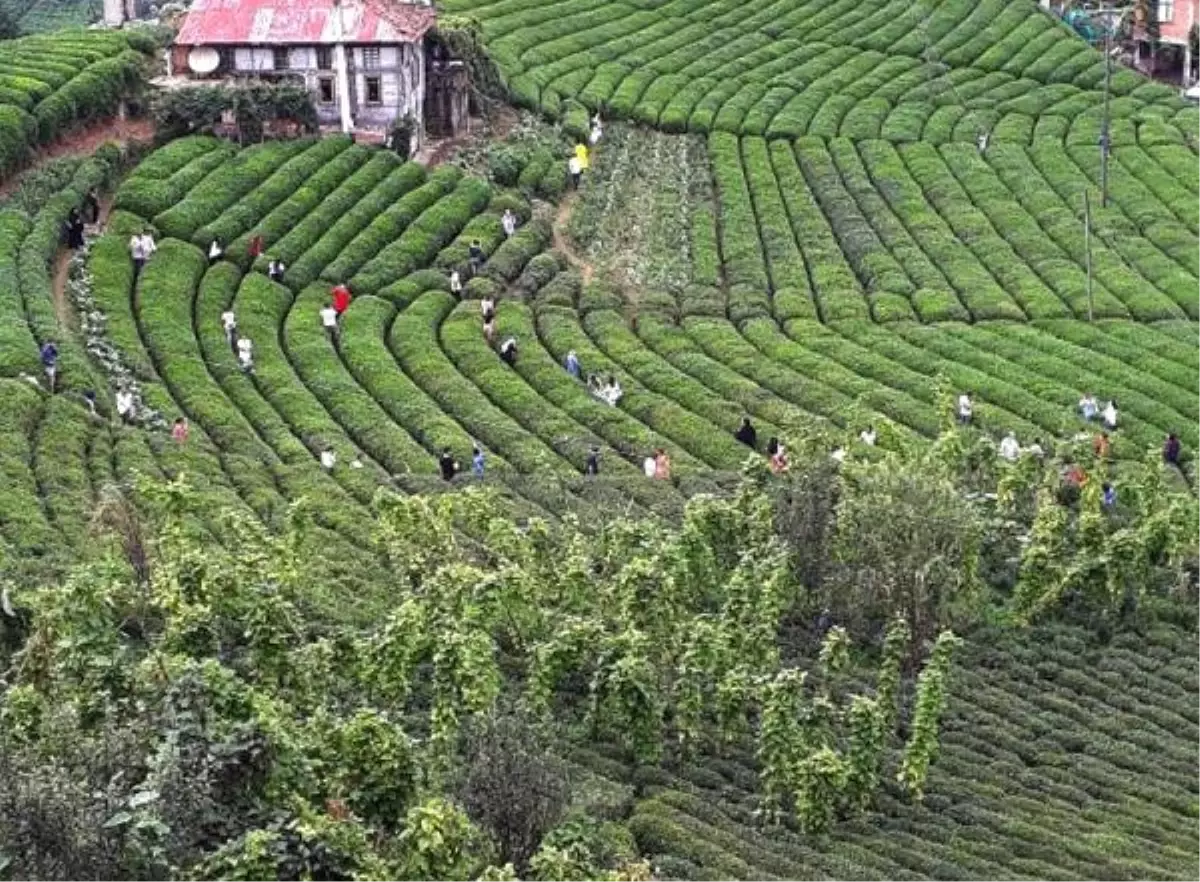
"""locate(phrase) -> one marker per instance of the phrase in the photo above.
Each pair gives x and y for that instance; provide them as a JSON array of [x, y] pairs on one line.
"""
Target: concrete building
[[363, 61], [1174, 59]]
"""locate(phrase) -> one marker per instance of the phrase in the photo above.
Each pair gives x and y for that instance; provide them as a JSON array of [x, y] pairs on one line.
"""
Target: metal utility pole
[[1087, 247], [1104, 134]]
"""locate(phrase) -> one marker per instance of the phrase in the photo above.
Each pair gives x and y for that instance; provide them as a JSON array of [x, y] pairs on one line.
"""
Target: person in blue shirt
[[49, 356], [1110, 495], [477, 462], [572, 364]]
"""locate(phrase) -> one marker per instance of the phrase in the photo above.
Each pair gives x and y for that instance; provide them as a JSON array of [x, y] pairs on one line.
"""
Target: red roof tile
[[292, 22]]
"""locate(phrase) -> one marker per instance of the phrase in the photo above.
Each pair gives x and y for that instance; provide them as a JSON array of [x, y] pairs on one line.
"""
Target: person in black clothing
[[508, 351], [1171, 450], [746, 434], [824, 622], [74, 230], [475, 252], [447, 464], [91, 205], [592, 467], [772, 446]]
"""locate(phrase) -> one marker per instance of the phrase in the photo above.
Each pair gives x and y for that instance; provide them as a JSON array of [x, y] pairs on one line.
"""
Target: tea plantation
[[824, 217]]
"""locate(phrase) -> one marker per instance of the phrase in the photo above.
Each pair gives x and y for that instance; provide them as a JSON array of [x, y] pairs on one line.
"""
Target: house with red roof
[[363, 61]]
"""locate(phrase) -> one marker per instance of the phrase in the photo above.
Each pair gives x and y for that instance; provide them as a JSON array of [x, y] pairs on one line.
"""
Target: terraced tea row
[[400, 386], [1046, 753], [891, 70]]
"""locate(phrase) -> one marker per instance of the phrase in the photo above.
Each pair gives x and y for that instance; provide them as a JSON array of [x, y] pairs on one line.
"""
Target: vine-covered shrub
[[197, 109]]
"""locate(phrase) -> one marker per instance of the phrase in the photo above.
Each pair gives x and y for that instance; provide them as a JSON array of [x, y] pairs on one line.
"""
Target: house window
[[374, 90], [1166, 10], [324, 58], [279, 59], [325, 90], [224, 59], [371, 57]]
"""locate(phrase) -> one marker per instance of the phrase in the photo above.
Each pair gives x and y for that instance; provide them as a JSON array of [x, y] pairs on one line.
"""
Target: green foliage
[[197, 109]]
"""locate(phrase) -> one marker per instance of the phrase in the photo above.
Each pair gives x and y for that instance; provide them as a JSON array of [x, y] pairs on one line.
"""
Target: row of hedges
[[172, 175], [323, 235]]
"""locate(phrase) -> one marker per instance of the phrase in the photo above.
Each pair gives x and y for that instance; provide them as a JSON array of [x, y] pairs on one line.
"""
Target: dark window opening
[[374, 91], [325, 90], [280, 57], [324, 58]]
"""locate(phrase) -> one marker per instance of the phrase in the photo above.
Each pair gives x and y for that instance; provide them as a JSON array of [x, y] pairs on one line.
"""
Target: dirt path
[[563, 245], [84, 143]]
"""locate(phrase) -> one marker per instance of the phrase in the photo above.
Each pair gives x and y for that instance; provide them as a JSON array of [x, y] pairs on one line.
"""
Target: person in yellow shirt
[[581, 153]]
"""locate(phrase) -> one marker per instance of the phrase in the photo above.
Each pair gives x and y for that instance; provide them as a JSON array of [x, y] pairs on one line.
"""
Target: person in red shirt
[[341, 298], [256, 247]]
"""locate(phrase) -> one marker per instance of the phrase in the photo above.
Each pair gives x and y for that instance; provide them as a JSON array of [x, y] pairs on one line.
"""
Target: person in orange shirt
[[1102, 446], [341, 298]]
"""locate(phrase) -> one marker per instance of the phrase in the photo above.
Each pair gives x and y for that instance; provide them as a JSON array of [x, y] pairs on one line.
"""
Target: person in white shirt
[[245, 351], [867, 436], [1035, 449], [838, 455], [455, 283], [650, 466], [1009, 448], [487, 306], [1110, 415], [1088, 406], [275, 270], [215, 251], [329, 320], [965, 408], [982, 141], [597, 132], [141, 246], [229, 323], [509, 221], [613, 392], [328, 458], [575, 167], [125, 405]]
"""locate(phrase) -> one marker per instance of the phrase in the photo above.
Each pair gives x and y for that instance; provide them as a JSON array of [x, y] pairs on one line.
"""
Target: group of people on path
[[580, 160], [776, 451]]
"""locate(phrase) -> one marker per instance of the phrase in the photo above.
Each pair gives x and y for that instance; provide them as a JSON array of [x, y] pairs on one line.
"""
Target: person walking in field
[[456, 284], [447, 465], [649, 465], [1101, 446], [489, 330], [581, 153], [477, 463], [179, 431], [328, 459], [215, 251], [572, 364], [141, 246], [475, 255], [89, 398], [1088, 407], [772, 446], [508, 351], [1109, 497], [245, 354], [575, 170], [662, 465], [966, 409], [1171, 450], [779, 460], [125, 406], [255, 248], [1109, 415], [341, 299], [596, 131], [74, 230], [49, 357], [275, 270], [329, 321], [229, 323], [591, 466], [746, 434], [487, 307], [867, 436], [91, 206], [1009, 448], [509, 222]]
